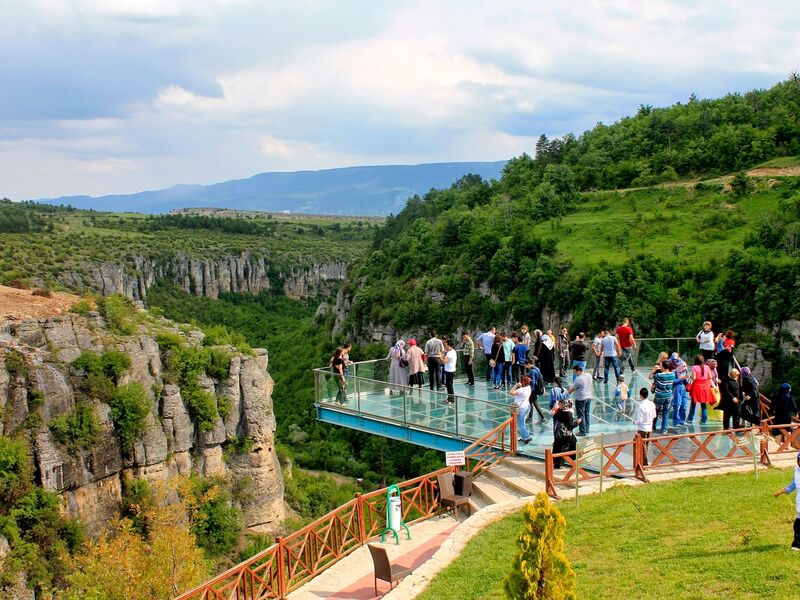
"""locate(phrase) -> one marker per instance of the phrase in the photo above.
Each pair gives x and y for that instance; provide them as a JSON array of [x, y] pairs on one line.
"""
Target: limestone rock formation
[[245, 273], [90, 481]]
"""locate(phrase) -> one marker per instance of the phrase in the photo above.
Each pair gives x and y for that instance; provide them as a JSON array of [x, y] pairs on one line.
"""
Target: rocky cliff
[[38, 384], [245, 273]]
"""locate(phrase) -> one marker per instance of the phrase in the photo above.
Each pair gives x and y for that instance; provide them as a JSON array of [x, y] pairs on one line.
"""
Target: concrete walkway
[[437, 542], [352, 577]]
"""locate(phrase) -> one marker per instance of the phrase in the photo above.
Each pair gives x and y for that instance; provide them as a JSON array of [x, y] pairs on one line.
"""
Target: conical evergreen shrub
[[540, 569]]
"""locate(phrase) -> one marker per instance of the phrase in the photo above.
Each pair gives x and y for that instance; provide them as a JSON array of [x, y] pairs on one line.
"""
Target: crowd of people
[[530, 366]]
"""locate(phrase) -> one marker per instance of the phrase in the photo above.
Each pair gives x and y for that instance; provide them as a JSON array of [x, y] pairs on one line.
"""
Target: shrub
[[16, 365], [119, 313], [137, 499], [82, 307], [16, 472], [202, 407], [79, 429], [42, 293], [169, 341], [741, 184], [114, 363], [540, 569], [88, 361], [256, 542], [216, 523], [219, 363], [129, 407]]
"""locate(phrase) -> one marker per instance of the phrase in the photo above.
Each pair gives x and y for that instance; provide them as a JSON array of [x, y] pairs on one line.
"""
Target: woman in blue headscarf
[[783, 407]]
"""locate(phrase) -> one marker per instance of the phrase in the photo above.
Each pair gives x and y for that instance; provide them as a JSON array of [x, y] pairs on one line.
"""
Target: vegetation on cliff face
[[39, 243], [298, 342]]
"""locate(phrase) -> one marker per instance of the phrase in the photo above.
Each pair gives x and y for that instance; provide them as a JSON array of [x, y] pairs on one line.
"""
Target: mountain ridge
[[360, 190]]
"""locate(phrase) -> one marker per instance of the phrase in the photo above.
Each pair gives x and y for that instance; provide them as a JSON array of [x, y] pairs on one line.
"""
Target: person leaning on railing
[[337, 366]]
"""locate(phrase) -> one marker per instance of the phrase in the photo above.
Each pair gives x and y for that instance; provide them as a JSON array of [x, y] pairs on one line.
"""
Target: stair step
[[493, 492], [520, 481], [526, 465], [476, 502]]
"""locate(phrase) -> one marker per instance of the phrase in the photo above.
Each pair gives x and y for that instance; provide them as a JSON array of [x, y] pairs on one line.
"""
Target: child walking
[[794, 487], [621, 394], [644, 418]]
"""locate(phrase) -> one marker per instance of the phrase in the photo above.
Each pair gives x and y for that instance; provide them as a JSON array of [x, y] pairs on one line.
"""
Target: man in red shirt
[[627, 342]]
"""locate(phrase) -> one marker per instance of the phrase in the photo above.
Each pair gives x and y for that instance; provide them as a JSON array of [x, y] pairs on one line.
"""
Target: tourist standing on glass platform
[[520, 358], [449, 359], [701, 379], [705, 338], [416, 366], [433, 348], [398, 374], [508, 358], [611, 352], [597, 349], [485, 341], [521, 392], [663, 380], [679, 397], [644, 417], [468, 354], [627, 344], [730, 401], [582, 388], [563, 351], [579, 350]]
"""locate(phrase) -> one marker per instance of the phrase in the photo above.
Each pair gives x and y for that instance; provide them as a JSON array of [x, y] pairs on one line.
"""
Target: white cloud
[[240, 86]]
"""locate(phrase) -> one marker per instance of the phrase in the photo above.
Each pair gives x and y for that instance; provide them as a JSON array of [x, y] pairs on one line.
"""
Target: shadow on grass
[[742, 550]]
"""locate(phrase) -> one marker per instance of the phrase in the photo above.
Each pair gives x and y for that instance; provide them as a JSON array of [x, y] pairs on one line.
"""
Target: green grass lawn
[[665, 222], [709, 537]]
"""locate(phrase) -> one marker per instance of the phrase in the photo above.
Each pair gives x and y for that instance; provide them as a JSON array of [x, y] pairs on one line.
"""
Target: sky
[[119, 96]]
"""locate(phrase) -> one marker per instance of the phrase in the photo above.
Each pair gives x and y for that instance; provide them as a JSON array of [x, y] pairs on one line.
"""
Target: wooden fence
[[698, 447], [295, 559]]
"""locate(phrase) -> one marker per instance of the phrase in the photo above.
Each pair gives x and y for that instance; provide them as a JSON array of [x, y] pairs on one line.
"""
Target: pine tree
[[540, 570]]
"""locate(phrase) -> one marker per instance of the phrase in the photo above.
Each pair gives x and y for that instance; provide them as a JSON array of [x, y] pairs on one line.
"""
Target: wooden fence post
[[548, 474], [362, 528], [638, 458], [765, 445], [281, 568]]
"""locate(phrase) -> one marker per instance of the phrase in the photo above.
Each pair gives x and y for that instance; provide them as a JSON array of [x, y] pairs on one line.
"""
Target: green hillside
[[39, 241]]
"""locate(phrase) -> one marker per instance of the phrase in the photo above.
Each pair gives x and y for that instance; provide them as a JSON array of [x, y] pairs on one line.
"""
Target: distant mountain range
[[378, 190]]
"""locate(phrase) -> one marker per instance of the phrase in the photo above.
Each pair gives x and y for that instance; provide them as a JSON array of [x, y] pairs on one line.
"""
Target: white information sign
[[455, 459]]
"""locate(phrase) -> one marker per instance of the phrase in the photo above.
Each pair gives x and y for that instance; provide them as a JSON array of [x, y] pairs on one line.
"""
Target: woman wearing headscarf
[[545, 354], [398, 375], [751, 397], [784, 408], [416, 366], [725, 343], [731, 400]]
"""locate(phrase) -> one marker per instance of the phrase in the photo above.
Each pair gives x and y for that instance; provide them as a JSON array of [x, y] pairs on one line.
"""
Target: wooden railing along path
[[703, 447], [295, 559]]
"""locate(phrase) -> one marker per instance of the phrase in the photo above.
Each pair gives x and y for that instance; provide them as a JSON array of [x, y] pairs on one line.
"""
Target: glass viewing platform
[[424, 417]]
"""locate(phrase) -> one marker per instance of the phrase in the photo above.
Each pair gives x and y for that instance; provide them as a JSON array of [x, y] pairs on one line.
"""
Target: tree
[[125, 565], [540, 569], [741, 184]]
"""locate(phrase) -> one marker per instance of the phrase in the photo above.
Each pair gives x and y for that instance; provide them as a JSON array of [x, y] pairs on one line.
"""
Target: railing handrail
[[409, 388], [284, 581]]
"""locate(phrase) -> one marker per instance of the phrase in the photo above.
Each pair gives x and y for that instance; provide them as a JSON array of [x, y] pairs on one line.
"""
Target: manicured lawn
[[711, 537]]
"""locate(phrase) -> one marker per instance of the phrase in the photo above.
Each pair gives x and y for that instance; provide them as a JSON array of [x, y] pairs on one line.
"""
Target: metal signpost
[[753, 441]]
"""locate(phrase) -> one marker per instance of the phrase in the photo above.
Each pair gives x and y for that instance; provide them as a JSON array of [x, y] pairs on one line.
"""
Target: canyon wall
[[91, 481]]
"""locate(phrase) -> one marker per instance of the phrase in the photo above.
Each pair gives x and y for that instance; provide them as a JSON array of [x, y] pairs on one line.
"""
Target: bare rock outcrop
[[242, 273], [172, 443]]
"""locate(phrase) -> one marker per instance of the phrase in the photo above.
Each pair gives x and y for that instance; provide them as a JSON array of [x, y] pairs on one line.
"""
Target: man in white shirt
[[449, 359], [485, 341], [597, 349], [643, 417]]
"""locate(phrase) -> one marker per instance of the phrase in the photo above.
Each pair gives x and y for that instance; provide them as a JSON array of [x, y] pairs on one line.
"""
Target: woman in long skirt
[[398, 374]]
